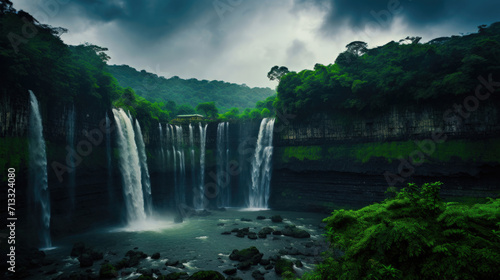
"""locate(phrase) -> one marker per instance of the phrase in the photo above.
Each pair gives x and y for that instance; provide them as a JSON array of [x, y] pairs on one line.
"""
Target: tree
[[410, 40], [208, 108], [277, 72], [357, 48], [185, 109]]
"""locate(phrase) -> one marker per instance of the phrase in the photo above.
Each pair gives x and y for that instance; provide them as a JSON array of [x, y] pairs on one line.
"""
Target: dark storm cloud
[[417, 13], [146, 19]]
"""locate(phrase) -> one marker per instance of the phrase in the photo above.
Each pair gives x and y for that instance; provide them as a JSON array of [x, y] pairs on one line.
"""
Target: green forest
[[188, 93], [367, 82]]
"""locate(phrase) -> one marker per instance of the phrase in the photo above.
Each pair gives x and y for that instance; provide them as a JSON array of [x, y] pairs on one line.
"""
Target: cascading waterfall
[[223, 187], [168, 137], [181, 185], [162, 152], [108, 156], [191, 147], [146, 183], [198, 201], [261, 166], [174, 156], [70, 139], [38, 172], [130, 167]]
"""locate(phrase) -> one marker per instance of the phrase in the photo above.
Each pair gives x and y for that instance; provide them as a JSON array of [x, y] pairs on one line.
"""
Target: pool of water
[[197, 243]]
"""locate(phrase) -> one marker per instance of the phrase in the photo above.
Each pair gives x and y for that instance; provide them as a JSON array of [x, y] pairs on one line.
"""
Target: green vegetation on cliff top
[[367, 82]]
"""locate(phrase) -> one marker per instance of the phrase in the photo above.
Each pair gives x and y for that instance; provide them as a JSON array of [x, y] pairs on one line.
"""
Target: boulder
[[276, 219], [293, 231], [207, 275], [283, 265]]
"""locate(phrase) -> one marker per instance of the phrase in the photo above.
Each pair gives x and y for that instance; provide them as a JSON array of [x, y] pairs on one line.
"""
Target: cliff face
[[350, 164], [317, 165]]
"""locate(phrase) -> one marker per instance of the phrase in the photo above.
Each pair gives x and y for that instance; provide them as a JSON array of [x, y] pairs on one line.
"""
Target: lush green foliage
[[370, 81], [414, 236], [62, 75], [191, 91]]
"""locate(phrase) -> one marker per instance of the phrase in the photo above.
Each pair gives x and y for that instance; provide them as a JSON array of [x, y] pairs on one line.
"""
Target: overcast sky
[[240, 40]]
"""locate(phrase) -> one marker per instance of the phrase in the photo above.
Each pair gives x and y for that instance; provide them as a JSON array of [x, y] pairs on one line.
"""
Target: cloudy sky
[[240, 40]]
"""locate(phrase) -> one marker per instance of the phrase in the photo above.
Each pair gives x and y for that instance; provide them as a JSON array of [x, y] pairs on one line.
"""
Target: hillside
[[402, 74], [191, 91]]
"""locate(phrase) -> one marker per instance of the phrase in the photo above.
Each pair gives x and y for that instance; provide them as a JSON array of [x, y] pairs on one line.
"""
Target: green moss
[[487, 151], [107, 271], [302, 152], [13, 154]]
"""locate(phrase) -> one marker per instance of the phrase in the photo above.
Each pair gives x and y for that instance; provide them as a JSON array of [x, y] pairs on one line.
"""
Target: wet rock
[[276, 219], [235, 230], [230, 271], [283, 265], [155, 256], [240, 234], [265, 231], [175, 276], [251, 254], [226, 233], [252, 235], [172, 263], [244, 265], [293, 231], [289, 251], [78, 249], [261, 218], [265, 262], [256, 274], [274, 258], [85, 260], [277, 232], [245, 220], [298, 263], [207, 275], [108, 271]]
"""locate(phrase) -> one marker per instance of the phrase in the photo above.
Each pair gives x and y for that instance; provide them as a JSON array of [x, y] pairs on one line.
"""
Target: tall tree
[[277, 72], [208, 108]]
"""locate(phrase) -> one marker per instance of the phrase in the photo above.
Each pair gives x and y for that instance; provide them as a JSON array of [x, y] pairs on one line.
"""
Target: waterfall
[[223, 187], [162, 152], [38, 172], [146, 183], [70, 139], [198, 203], [181, 184], [261, 166], [193, 165], [168, 136], [130, 167], [108, 156]]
